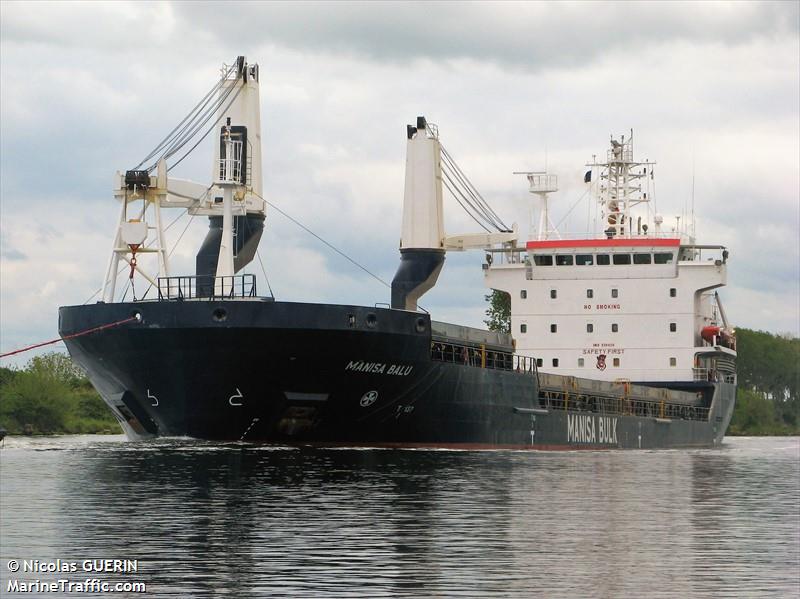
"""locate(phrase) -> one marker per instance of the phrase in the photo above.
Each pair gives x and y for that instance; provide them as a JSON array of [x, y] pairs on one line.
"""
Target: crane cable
[[194, 122], [199, 106], [478, 203], [459, 185], [330, 245]]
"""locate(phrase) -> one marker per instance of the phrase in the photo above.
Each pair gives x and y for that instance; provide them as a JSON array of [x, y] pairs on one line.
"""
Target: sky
[[87, 89]]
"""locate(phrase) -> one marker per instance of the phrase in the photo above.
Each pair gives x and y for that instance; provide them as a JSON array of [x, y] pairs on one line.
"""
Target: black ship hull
[[290, 373]]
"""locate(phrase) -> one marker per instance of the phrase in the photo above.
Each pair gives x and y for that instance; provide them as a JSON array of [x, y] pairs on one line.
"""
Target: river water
[[235, 520]]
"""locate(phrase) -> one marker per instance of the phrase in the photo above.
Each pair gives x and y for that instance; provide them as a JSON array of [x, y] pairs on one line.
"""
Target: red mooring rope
[[72, 336]]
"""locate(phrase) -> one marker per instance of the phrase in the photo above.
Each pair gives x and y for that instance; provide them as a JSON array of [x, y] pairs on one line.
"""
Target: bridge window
[[523, 328], [673, 327], [580, 362], [663, 258], [563, 260], [543, 260], [616, 362], [603, 259], [622, 258], [673, 361], [590, 328], [584, 260], [555, 362], [539, 362], [673, 292], [523, 294], [615, 328], [590, 293], [553, 328], [642, 258], [615, 292], [553, 293]]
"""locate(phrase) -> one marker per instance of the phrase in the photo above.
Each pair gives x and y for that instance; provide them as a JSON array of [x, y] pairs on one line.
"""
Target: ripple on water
[[238, 519]]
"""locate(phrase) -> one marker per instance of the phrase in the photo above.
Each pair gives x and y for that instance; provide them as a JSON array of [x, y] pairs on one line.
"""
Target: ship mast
[[229, 177], [542, 184], [620, 188]]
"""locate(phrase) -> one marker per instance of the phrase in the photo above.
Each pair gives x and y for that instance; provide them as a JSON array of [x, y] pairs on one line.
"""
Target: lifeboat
[[723, 336]]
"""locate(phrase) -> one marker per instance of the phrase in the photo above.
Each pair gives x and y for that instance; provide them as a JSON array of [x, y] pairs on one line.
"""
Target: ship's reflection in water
[[247, 521]]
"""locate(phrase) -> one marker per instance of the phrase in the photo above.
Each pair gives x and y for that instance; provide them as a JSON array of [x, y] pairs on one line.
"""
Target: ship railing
[[555, 399], [481, 357], [703, 254], [713, 375], [206, 287]]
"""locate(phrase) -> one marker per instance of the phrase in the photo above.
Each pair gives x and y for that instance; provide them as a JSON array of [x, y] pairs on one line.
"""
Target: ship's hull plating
[[292, 373]]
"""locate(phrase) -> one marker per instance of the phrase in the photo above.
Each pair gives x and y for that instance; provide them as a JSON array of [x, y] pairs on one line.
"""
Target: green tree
[[57, 366], [52, 395], [768, 366], [35, 400], [7, 375], [499, 311]]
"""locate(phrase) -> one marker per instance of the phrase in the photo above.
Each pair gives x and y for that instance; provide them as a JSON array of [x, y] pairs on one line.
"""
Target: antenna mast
[[620, 188], [541, 184]]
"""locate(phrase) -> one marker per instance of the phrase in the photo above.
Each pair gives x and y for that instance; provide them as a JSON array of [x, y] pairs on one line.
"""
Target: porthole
[[372, 320], [420, 326], [219, 315]]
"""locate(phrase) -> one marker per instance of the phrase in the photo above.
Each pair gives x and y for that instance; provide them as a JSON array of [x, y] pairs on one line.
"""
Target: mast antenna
[[541, 184]]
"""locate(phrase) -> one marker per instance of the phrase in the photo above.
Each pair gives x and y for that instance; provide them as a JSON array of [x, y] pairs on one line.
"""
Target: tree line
[[52, 395], [768, 398]]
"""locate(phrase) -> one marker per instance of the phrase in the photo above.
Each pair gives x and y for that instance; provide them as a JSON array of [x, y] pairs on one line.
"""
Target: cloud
[[109, 26], [532, 36]]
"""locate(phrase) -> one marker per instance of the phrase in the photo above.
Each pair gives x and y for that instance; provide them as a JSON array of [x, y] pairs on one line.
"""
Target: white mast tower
[[541, 184], [620, 188]]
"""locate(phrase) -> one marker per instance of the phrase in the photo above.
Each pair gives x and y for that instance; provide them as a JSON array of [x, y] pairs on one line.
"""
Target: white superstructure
[[633, 304]]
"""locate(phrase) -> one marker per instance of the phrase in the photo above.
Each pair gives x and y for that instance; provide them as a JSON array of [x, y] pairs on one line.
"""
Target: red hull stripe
[[452, 446], [592, 243]]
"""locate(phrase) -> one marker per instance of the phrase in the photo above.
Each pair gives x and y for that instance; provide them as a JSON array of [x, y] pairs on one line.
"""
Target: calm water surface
[[234, 520]]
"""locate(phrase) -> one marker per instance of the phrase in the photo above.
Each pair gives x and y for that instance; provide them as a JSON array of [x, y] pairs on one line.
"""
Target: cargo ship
[[612, 340]]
